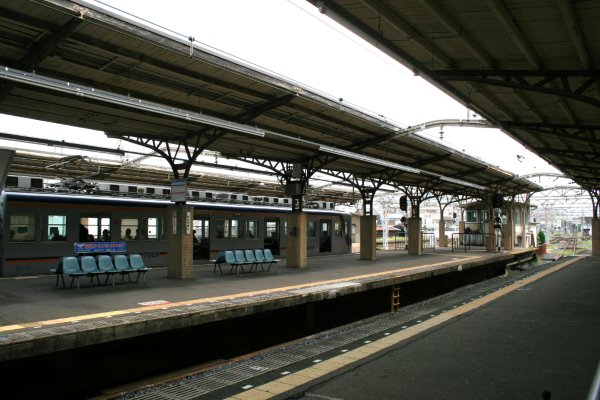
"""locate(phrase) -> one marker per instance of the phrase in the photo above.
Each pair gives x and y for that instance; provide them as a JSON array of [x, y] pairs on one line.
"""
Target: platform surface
[[32, 299], [543, 336]]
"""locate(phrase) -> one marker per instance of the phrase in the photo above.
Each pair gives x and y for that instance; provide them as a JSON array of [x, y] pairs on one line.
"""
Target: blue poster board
[[100, 247]]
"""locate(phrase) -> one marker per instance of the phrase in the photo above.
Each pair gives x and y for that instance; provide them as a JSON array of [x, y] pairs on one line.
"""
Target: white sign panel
[[179, 190]]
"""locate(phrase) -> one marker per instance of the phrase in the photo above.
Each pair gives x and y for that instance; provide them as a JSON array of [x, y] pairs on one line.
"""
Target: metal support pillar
[[596, 237]]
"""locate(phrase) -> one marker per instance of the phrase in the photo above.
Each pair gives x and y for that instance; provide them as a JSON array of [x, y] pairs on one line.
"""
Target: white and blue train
[[40, 227]]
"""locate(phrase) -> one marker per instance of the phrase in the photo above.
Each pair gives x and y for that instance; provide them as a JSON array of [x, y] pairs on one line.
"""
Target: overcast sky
[[291, 38]]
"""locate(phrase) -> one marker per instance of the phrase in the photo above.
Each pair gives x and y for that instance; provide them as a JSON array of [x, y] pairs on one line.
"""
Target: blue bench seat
[[238, 259]]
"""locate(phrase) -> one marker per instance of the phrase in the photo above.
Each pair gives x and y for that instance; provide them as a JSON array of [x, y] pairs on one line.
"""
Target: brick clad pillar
[[491, 239], [368, 237], [296, 240], [414, 237], [509, 232], [443, 241], [179, 229]]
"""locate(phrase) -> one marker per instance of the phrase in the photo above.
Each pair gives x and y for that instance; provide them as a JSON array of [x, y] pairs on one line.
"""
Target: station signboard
[[100, 247], [179, 191]]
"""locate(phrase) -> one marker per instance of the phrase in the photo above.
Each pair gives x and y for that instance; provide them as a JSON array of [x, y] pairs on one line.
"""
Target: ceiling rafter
[[400, 24], [505, 17], [447, 20], [503, 82], [575, 32]]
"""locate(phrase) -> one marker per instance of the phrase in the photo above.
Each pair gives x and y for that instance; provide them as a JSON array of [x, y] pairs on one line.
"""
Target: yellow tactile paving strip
[[391, 274], [293, 380]]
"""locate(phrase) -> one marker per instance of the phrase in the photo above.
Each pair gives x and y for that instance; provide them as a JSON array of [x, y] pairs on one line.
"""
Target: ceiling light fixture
[[368, 159]]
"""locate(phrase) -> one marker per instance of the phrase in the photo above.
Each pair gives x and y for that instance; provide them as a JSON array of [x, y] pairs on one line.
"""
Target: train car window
[[221, 228], [337, 228], [150, 228], [485, 216], [94, 229], [130, 229], [22, 228], [12, 181], [471, 216], [271, 229], [311, 229], [202, 228], [235, 228], [57, 227], [252, 229]]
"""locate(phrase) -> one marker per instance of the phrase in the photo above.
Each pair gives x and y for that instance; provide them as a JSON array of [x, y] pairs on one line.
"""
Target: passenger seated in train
[[128, 234], [84, 235], [55, 235]]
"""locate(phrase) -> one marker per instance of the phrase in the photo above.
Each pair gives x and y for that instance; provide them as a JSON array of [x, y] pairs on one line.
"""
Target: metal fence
[[399, 241], [396, 241], [469, 241], [427, 240]]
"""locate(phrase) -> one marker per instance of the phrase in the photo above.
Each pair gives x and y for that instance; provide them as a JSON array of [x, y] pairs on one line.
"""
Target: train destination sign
[[100, 247]]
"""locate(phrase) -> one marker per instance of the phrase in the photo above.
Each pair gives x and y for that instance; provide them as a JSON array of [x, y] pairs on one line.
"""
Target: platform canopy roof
[[530, 67], [71, 63], [77, 172]]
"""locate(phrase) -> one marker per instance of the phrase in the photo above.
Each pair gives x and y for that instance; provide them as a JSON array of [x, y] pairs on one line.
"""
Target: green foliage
[[541, 238]]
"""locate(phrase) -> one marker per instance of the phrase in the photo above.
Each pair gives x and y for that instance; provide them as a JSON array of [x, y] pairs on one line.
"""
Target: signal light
[[403, 203], [497, 200]]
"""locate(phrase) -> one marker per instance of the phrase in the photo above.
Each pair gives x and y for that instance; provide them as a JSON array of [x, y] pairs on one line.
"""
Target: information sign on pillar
[[188, 223], [174, 223], [179, 191]]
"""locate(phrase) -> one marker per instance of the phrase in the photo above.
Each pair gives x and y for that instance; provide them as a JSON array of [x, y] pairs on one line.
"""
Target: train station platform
[[40, 319], [532, 336], [37, 303]]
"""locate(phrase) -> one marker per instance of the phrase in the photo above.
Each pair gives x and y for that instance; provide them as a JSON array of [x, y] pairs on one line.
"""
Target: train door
[[325, 236], [272, 236], [201, 238], [94, 228]]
